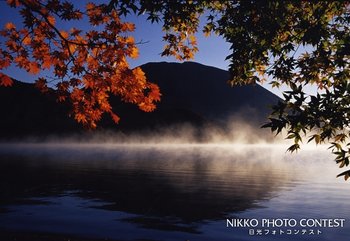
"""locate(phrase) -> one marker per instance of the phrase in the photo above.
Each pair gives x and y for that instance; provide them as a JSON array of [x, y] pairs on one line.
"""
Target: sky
[[212, 50]]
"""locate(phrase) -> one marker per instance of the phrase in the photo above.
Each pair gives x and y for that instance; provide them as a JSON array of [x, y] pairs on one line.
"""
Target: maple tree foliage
[[296, 44], [87, 66]]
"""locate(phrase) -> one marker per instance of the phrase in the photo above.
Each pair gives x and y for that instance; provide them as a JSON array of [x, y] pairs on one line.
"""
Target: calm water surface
[[168, 192]]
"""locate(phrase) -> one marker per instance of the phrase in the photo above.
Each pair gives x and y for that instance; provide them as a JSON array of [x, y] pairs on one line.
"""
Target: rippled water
[[167, 192]]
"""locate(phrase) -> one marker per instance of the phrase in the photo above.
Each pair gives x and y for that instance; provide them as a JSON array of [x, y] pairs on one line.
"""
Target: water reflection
[[188, 183], [173, 188]]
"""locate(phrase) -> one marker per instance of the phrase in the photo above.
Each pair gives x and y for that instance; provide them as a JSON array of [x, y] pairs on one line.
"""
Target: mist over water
[[167, 185], [231, 131]]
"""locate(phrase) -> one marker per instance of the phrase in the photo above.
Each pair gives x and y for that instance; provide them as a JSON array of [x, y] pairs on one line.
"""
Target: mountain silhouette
[[191, 93], [205, 91]]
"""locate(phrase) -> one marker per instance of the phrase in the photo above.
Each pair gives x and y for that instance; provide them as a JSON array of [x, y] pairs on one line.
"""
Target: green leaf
[[293, 148], [346, 175]]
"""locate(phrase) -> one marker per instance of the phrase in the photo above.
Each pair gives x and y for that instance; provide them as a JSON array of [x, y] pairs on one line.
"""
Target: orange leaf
[[4, 63], [41, 84], [81, 118], [61, 98], [192, 39], [154, 93], [90, 6], [147, 106], [128, 27], [115, 118], [129, 40], [9, 26], [46, 63], [64, 34], [134, 53], [5, 80], [51, 20], [26, 40], [34, 68], [75, 31], [77, 94], [88, 83], [13, 3], [72, 48], [139, 74]]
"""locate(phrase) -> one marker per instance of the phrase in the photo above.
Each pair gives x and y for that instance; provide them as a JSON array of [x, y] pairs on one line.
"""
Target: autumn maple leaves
[[86, 66]]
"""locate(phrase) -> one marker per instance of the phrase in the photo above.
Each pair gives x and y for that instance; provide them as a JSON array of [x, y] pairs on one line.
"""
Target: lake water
[[171, 192]]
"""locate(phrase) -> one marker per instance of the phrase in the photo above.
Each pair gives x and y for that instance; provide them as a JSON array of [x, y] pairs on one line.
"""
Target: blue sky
[[212, 49]]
